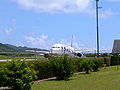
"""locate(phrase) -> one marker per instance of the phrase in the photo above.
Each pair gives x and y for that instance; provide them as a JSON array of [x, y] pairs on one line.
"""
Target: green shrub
[[86, 65], [2, 64], [78, 64], [62, 67], [115, 60], [43, 67], [106, 61], [97, 63], [17, 75]]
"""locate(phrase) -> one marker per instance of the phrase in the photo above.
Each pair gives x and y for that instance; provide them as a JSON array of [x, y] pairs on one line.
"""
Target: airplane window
[[55, 47]]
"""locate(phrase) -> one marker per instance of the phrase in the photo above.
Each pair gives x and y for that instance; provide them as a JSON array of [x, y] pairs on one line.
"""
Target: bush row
[[19, 74], [66, 66], [44, 66], [45, 71]]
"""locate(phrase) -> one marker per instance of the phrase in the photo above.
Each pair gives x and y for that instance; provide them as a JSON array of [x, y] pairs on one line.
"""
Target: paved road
[[10, 60]]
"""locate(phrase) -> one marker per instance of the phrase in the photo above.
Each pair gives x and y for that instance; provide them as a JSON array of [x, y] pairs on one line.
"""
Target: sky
[[42, 23]]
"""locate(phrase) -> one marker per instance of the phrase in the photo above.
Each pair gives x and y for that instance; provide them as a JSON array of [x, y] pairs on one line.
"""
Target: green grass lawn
[[106, 79]]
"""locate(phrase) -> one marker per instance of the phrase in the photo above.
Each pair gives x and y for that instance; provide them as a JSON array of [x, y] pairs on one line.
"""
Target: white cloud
[[55, 6], [9, 31], [44, 42], [37, 42], [31, 33], [12, 28], [72, 40], [115, 0], [76, 45], [44, 37], [108, 13]]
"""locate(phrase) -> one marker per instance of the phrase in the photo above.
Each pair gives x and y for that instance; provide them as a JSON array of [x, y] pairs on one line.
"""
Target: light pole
[[97, 7]]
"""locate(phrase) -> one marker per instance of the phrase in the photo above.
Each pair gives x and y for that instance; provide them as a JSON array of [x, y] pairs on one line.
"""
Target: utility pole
[[97, 24]]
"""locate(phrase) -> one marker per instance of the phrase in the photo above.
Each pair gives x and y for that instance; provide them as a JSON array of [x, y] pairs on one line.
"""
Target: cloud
[[31, 33], [108, 13], [72, 40], [44, 42], [37, 42], [9, 31], [55, 6], [44, 37], [76, 45], [115, 0], [12, 28]]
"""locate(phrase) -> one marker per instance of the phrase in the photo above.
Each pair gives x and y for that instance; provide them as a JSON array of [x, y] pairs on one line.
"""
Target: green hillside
[[9, 47]]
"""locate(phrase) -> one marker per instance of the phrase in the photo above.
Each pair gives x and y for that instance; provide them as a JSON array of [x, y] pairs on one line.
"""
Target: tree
[[17, 75], [61, 67], [86, 65]]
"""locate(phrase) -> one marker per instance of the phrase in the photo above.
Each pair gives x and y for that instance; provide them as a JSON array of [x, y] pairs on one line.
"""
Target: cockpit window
[[55, 47]]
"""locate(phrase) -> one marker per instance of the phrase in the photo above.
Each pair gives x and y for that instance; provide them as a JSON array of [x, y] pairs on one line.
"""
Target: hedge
[[115, 60], [43, 67], [45, 70]]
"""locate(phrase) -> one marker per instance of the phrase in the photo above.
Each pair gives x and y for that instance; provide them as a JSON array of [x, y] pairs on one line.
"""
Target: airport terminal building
[[116, 47]]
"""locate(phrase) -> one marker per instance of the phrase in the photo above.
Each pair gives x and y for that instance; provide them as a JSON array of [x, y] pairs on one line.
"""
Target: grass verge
[[106, 79]]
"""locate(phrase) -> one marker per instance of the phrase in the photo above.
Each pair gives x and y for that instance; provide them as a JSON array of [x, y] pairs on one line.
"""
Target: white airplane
[[64, 49]]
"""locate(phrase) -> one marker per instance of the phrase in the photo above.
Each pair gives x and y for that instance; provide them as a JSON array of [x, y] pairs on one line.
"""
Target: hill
[[9, 47]]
